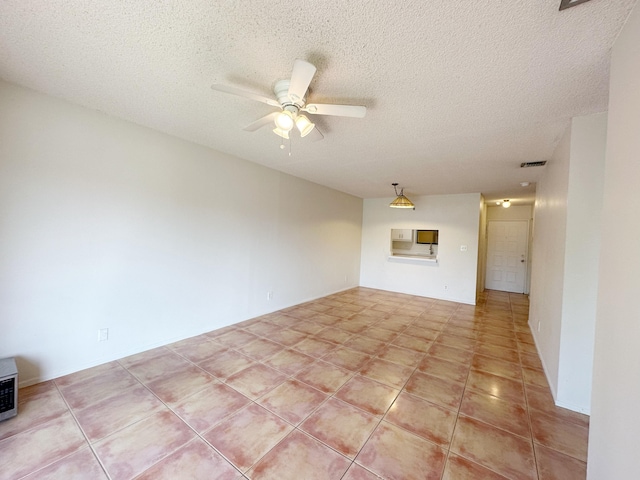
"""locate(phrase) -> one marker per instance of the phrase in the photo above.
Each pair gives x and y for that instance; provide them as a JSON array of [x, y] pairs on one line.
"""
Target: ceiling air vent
[[533, 164], [564, 4]]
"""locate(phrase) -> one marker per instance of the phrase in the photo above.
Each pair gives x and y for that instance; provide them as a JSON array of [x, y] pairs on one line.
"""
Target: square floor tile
[[159, 366], [500, 413], [401, 356], [451, 353], [412, 343], [563, 436], [224, 364], [300, 456], [181, 383], [34, 449], [378, 333], [348, 359], [195, 460], [248, 435], [369, 346], [287, 337], [334, 335], [256, 380], [80, 465], [427, 420], [343, 427], [535, 377], [436, 390], [292, 400], [35, 406], [505, 388], [396, 454], [92, 390], [502, 452], [386, 372], [459, 468], [129, 406], [356, 472], [445, 369], [210, 406], [326, 377], [496, 366], [313, 347], [368, 395], [289, 361], [553, 465], [130, 451], [236, 338], [198, 351], [80, 376], [260, 349], [540, 399], [495, 351]]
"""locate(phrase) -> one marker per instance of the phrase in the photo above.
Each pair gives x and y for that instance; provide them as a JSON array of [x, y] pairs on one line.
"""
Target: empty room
[[319, 240]]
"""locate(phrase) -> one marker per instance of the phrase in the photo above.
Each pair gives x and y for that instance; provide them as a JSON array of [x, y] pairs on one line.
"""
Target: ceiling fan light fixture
[[304, 125], [401, 201], [284, 121], [281, 133]]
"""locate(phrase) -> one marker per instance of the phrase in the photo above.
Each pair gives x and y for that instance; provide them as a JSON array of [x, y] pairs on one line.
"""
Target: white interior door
[[507, 256]]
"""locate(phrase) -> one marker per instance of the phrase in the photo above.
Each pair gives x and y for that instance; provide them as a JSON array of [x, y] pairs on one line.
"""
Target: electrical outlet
[[269, 296], [103, 334], [345, 279], [538, 326]]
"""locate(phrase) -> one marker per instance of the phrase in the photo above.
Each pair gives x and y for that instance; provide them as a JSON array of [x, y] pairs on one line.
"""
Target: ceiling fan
[[291, 98]]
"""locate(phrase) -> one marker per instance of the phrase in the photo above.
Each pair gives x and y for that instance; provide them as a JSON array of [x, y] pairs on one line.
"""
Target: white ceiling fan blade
[[261, 122], [356, 111], [301, 77], [243, 93], [314, 135]]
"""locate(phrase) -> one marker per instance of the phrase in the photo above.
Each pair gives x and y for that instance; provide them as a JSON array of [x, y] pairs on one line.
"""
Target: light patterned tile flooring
[[363, 384]]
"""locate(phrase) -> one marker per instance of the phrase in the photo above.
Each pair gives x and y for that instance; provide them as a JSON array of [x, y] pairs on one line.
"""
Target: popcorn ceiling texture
[[458, 93]]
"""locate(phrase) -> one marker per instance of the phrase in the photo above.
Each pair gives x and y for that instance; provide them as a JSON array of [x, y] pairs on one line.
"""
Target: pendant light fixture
[[401, 201]]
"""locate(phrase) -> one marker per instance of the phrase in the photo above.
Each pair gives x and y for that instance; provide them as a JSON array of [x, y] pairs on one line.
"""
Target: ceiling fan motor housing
[[281, 89]]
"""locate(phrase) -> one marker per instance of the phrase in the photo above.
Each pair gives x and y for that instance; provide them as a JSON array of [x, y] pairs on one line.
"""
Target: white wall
[[613, 432], [547, 268], [566, 245], [105, 224], [457, 217], [514, 212], [584, 209]]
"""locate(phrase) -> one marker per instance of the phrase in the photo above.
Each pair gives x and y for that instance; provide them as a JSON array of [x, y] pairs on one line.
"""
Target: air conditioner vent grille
[[533, 164]]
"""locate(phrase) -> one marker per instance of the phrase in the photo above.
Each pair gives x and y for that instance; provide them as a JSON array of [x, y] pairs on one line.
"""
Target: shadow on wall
[[28, 370]]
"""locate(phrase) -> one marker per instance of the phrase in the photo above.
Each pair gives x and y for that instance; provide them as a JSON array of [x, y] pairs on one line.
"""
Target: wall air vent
[[533, 164], [564, 4]]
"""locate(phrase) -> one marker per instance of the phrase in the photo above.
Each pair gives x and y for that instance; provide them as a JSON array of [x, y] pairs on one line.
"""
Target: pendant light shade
[[401, 201], [281, 133], [284, 121], [304, 125]]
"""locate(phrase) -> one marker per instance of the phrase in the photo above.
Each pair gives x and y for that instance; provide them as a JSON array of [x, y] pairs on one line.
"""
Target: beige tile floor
[[363, 384]]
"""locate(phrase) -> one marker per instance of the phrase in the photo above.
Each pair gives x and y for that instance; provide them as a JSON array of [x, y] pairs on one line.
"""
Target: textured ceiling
[[458, 93]]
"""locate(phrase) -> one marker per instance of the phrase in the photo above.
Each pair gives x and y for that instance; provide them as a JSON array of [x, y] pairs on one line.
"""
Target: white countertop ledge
[[412, 259]]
